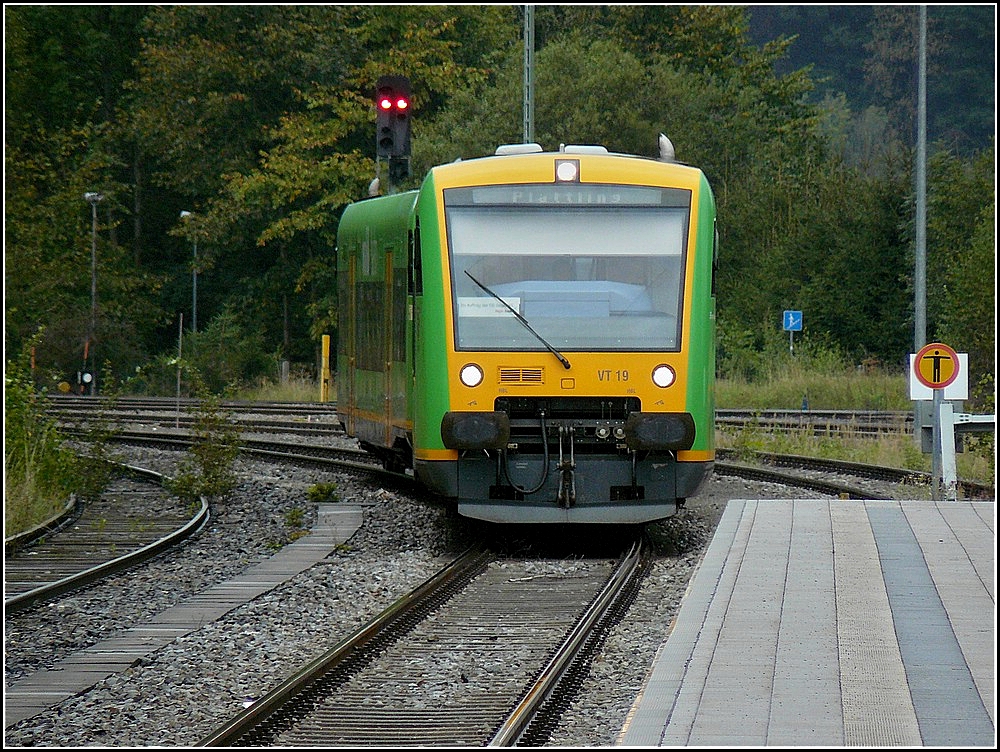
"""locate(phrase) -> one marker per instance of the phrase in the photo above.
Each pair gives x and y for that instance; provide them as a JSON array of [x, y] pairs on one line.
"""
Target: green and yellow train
[[532, 334]]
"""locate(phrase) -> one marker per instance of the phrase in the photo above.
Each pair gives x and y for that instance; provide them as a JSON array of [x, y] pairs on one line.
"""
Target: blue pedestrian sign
[[793, 321]]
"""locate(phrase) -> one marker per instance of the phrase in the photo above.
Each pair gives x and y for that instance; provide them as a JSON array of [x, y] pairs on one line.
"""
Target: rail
[[350, 648], [30, 598], [518, 721]]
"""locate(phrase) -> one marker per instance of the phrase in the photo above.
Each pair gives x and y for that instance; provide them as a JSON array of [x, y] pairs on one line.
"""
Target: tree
[[64, 76], [47, 254], [280, 128], [961, 252], [65, 68]]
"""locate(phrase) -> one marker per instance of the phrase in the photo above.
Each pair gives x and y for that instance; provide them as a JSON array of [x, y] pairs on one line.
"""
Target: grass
[[849, 390], [292, 390], [39, 470], [26, 506]]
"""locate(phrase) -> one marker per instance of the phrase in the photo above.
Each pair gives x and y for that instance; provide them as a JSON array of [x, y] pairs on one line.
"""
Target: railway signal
[[392, 104]]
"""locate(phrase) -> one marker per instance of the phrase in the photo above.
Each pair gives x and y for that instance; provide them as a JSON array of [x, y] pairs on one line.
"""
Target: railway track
[[759, 468], [319, 421], [171, 405], [139, 416], [98, 724], [134, 520], [318, 416], [310, 419], [476, 656], [818, 422], [762, 466], [802, 472]]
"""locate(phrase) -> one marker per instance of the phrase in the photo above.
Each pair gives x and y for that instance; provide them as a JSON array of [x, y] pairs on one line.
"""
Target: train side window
[[416, 275]]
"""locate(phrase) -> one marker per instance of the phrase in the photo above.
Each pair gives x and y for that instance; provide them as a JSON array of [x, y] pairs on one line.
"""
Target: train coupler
[[567, 469]]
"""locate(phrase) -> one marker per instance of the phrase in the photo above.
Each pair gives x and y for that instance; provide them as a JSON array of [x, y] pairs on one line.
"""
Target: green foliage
[[764, 372], [323, 493], [299, 80], [821, 381], [223, 358], [229, 352], [294, 517], [52, 75], [258, 120], [64, 76], [207, 469], [961, 265], [295, 522], [48, 256], [40, 472]]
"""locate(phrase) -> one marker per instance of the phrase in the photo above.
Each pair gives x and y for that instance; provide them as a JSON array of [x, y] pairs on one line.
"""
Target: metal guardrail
[[947, 424]]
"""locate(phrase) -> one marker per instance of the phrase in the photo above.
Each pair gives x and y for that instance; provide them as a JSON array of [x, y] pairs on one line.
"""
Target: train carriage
[[532, 333]]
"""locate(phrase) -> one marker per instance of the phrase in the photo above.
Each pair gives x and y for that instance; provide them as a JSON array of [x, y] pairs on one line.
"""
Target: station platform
[[826, 622]]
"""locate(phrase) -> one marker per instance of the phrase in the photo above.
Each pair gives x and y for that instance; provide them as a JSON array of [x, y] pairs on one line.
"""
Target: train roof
[[666, 150], [531, 152]]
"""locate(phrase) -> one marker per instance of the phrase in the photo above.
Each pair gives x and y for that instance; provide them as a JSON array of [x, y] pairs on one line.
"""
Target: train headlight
[[471, 375], [664, 376], [567, 170]]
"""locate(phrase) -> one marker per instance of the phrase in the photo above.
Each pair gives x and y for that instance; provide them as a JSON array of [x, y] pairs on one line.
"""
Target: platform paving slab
[[827, 622]]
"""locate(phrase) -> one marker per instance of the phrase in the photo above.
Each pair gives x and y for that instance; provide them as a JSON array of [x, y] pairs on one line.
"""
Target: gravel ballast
[[183, 692]]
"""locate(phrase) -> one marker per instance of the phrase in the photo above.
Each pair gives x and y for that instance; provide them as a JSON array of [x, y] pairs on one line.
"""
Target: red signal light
[[392, 123], [388, 102]]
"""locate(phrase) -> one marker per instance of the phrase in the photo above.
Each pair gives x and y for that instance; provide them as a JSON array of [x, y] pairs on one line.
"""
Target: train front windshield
[[587, 267]]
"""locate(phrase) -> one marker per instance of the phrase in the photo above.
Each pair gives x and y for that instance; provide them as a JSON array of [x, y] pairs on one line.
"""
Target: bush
[[227, 356], [207, 468], [39, 471], [323, 493]]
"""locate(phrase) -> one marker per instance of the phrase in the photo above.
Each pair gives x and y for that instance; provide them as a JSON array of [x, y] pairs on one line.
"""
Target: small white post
[[946, 432], [180, 344]]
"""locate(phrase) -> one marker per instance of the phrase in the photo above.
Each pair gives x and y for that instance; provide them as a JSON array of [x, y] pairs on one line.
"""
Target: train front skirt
[[597, 489]]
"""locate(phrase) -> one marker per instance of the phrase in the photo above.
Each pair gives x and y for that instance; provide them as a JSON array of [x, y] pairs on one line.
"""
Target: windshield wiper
[[550, 348]]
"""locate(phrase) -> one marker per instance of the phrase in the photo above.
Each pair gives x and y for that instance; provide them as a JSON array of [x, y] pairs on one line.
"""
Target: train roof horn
[[666, 149]]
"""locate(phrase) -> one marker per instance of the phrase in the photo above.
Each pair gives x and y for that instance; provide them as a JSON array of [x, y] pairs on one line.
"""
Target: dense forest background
[[257, 122]]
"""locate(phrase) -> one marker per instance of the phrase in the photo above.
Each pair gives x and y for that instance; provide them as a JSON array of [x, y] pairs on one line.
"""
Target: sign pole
[[936, 457], [791, 322], [936, 367]]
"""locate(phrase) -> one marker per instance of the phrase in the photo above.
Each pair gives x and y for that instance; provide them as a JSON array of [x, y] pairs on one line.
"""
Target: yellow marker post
[[324, 376]]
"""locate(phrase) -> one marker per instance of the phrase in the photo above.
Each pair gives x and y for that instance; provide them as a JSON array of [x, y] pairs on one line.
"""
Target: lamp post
[[93, 199], [194, 281]]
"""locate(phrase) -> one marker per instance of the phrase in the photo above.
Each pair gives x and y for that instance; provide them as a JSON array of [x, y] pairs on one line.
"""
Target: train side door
[[347, 358], [387, 340], [414, 289]]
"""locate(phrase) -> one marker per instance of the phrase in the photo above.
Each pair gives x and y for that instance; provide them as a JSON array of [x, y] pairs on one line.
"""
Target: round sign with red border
[[936, 365]]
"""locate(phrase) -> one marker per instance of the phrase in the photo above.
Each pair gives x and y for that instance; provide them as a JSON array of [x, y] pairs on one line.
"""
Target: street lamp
[[194, 281], [93, 199]]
